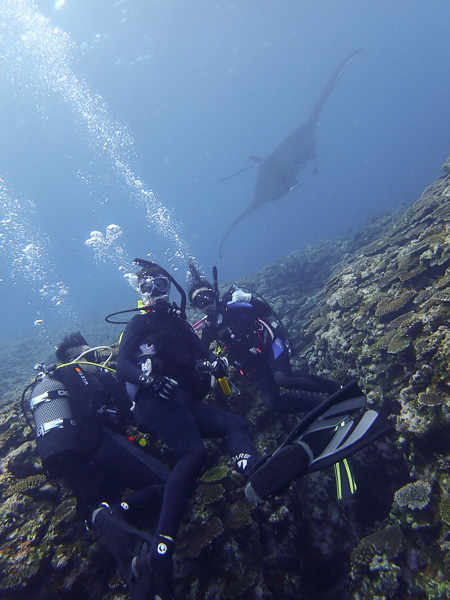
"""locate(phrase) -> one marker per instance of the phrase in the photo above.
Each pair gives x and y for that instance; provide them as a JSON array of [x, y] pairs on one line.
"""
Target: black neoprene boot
[[124, 542], [162, 567]]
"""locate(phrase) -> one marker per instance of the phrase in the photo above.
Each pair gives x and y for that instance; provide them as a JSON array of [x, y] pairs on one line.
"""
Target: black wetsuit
[[257, 344], [107, 461], [181, 422]]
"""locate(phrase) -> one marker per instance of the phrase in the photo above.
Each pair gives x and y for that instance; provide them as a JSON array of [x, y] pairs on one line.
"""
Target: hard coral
[[238, 516], [398, 344], [203, 536], [413, 495], [215, 474], [388, 540], [348, 298], [210, 493], [388, 308], [444, 508], [27, 485], [432, 399]]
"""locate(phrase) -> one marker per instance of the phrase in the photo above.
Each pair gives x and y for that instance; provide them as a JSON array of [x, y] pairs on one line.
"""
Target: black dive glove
[[162, 386], [219, 368]]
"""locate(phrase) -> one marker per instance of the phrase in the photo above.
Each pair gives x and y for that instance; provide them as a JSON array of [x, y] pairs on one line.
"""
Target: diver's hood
[[198, 282], [153, 267]]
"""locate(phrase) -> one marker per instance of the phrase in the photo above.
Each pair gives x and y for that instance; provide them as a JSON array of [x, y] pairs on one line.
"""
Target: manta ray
[[277, 173]]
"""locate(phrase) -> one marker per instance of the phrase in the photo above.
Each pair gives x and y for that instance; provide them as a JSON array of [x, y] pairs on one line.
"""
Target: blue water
[[130, 112]]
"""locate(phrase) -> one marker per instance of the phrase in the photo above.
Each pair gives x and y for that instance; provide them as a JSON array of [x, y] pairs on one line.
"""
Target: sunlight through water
[[26, 248], [37, 57]]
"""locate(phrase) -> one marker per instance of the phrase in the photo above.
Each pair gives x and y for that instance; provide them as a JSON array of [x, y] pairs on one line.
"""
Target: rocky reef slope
[[373, 306], [381, 315]]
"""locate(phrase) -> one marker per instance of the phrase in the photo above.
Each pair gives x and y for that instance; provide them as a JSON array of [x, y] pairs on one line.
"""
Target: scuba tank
[[57, 432]]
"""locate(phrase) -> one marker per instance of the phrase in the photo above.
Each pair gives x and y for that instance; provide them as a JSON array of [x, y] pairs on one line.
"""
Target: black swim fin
[[328, 434]]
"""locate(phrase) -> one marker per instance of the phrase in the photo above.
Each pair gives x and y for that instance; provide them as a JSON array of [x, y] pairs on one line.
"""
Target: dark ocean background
[[103, 102]]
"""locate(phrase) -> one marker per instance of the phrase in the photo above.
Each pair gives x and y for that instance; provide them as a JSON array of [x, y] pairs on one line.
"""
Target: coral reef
[[373, 306], [395, 339]]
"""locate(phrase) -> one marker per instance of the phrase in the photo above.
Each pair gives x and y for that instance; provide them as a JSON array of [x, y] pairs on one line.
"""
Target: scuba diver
[[256, 342], [167, 370], [81, 413], [258, 345]]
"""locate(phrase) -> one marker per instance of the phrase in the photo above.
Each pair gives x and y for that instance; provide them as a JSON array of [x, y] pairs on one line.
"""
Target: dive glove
[[162, 386], [219, 367], [240, 296]]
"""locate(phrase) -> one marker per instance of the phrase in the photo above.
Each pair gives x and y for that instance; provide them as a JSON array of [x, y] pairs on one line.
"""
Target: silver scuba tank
[[57, 433]]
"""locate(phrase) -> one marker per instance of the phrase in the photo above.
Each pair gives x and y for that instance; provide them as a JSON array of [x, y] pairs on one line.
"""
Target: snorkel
[[197, 279], [216, 287]]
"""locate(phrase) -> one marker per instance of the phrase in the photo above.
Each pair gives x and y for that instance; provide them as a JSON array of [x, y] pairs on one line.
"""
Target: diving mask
[[154, 286], [203, 297]]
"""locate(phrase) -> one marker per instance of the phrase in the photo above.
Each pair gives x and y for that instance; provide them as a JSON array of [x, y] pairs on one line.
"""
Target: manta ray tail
[[237, 173], [241, 217], [330, 85]]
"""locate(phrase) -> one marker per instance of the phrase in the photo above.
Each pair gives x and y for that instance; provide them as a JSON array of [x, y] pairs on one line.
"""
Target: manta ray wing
[[277, 174]]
